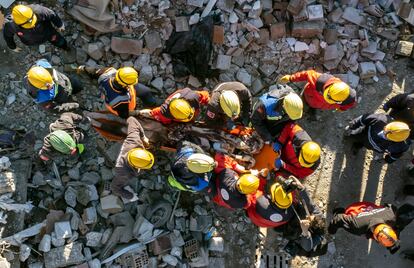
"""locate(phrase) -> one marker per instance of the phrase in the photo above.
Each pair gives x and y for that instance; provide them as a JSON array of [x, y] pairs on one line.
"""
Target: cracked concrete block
[[95, 51], [367, 70], [126, 46], [244, 77], [45, 243], [307, 29], [223, 62], [89, 215], [111, 204], [153, 40], [301, 46], [331, 52], [353, 15], [404, 48], [70, 254], [216, 244], [315, 12], [181, 24], [93, 239], [295, 6], [63, 230]]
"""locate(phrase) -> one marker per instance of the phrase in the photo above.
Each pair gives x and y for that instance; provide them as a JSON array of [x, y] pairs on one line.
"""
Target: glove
[[254, 172], [17, 49], [67, 106], [284, 79], [347, 131], [388, 159], [146, 142], [278, 163], [145, 113], [277, 147], [385, 108], [297, 183]]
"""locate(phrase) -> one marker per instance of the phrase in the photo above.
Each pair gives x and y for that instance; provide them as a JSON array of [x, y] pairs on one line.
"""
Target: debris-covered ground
[[75, 220]]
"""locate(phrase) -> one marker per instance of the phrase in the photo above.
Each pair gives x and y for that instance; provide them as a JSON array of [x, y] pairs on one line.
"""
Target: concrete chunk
[[70, 254], [223, 62], [89, 215], [195, 3], [277, 31], [181, 24], [404, 48], [153, 40], [93, 239], [126, 46], [367, 70], [307, 29], [301, 46], [63, 230], [295, 6], [218, 34], [216, 244], [111, 204], [315, 12], [95, 51], [45, 243], [353, 15]]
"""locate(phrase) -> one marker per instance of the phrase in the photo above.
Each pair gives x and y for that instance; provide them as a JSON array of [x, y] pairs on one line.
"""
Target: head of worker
[[248, 184], [200, 163], [397, 131], [126, 76], [309, 154], [230, 103], [140, 158], [62, 142], [293, 106], [280, 197], [336, 93], [385, 235], [40, 78], [24, 16], [181, 110]]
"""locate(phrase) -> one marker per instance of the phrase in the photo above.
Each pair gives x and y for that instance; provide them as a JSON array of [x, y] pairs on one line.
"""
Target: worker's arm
[[358, 124], [312, 207], [339, 221], [246, 105], [258, 121], [8, 33], [122, 109], [288, 133], [71, 117], [397, 102], [204, 97], [135, 127], [157, 114], [46, 152], [92, 72], [48, 15], [302, 76]]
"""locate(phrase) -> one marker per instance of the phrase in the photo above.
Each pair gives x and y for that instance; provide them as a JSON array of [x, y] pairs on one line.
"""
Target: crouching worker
[[324, 91], [119, 89], [298, 154], [380, 133], [230, 190], [192, 168], [132, 158], [64, 139], [181, 106], [273, 207], [51, 88], [381, 223]]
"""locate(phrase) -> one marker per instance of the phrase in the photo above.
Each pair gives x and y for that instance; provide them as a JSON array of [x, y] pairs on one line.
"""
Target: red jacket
[[314, 89], [292, 138], [195, 98], [263, 213], [359, 207]]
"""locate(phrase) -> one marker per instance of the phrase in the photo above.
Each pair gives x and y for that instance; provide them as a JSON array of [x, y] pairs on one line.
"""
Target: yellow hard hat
[[293, 106], [126, 76], [181, 110], [230, 103], [248, 184], [39, 77], [397, 131], [385, 235], [24, 16], [336, 93], [140, 158], [200, 163], [309, 154], [279, 197]]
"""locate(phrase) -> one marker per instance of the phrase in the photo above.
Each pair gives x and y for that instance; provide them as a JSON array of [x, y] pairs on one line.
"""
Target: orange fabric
[[204, 97], [224, 161], [131, 104], [156, 113], [266, 158], [289, 132]]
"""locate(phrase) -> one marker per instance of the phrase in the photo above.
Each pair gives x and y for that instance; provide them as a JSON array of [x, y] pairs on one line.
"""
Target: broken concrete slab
[[216, 244], [153, 40], [277, 31], [126, 46], [93, 239], [295, 6], [95, 51], [63, 230], [307, 29], [70, 254], [89, 215], [367, 70], [181, 24], [315, 12], [223, 62], [301, 46], [111, 204], [354, 15], [218, 34], [196, 3]]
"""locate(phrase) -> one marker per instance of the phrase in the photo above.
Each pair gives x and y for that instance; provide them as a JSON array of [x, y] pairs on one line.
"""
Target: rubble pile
[[256, 42]]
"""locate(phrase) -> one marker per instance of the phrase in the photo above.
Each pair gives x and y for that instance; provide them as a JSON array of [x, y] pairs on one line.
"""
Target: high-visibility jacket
[[293, 137], [194, 98], [314, 89], [118, 100]]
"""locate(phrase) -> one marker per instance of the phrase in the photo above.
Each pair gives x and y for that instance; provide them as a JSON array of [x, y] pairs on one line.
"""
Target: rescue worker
[[274, 110], [64, 139], [324, 91], [181, 106], [229, 102], [273, 206], [379, 132], [401, 108], [381, 223], [298, 154], [34, 25], [119, 89], [191, 169], [132, 158], [229, 189], [49, 87]]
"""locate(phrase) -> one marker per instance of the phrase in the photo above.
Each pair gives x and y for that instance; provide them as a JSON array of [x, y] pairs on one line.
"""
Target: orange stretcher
[[266, 158]]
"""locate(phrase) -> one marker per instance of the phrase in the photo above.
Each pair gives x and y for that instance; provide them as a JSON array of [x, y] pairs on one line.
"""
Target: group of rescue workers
[[272, 192]]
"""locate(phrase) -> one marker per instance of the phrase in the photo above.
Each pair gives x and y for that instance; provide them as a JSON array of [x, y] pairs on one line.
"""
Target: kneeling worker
[[132, 158]]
